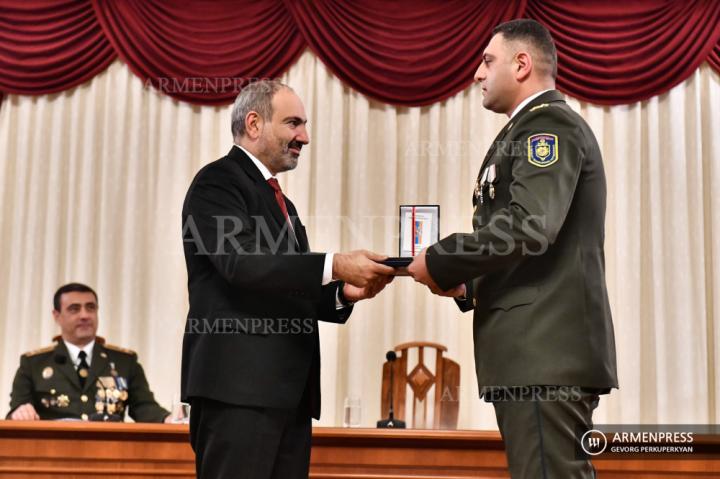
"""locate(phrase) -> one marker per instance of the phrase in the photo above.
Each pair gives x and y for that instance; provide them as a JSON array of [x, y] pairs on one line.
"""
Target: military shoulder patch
[[543, 149], [35, 352], [119, 349]]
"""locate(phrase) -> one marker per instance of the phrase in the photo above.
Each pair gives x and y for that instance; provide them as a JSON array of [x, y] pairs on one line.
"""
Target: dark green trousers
[[540, 429]]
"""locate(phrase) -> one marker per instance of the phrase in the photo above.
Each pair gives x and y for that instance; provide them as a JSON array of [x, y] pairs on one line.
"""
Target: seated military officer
[[81, 376]]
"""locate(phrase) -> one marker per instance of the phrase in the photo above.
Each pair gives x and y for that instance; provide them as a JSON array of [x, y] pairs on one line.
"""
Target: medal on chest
[[491, 179]]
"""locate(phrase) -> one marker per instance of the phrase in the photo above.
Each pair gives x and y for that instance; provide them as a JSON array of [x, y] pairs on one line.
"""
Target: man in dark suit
[[80, 376], [533, 268], [251, 354]]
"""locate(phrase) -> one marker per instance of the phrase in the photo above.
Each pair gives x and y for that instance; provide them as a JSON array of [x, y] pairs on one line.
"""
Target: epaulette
[[35, 352], [537, 107], [119, 349]]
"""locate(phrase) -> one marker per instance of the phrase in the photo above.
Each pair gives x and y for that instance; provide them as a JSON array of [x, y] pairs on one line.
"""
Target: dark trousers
[[541, 431], [239, 442]]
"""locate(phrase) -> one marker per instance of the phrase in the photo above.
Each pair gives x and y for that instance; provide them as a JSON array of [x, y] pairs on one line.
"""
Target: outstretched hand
[[418, 270], [354, 294], [361, 269]]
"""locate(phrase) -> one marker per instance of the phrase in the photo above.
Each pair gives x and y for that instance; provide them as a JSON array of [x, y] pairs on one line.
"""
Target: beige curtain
[[93, 181]]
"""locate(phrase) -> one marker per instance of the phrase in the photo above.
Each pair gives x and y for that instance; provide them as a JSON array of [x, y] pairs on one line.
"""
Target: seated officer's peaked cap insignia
[[543, 149]]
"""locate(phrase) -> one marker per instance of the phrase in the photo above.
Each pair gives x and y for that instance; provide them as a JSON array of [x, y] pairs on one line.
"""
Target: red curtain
[[404, 52], [714, 58], [201, 51], [48, 46], [398, 53], [628, 51]]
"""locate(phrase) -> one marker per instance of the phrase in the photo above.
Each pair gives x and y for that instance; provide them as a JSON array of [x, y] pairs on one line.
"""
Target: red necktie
[[273, 182]]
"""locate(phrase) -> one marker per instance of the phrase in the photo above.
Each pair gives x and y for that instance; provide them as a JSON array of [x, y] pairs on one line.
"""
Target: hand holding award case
[[419, 228]]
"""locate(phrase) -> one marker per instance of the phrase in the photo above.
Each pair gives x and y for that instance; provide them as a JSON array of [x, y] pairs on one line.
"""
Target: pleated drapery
[[405, 52]]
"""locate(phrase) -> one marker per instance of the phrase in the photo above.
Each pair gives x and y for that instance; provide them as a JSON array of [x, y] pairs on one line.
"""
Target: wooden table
[[129, 451]]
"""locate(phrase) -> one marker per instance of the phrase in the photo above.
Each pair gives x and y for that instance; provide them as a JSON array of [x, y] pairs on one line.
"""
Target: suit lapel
[[265, 190], [490, 154], [495, 142], [268, 195], [97, 366], [65, 364], [298, 228], [301, 236]]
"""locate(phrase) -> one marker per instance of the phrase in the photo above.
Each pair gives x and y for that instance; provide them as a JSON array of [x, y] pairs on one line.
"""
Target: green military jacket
[[534, 264], [115, 384]]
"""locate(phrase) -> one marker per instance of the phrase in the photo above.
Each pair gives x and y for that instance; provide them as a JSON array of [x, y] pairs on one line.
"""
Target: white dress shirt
[[74, 352]]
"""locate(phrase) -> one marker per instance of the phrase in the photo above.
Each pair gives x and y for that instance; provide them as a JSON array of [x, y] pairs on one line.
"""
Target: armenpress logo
[[593, 444]]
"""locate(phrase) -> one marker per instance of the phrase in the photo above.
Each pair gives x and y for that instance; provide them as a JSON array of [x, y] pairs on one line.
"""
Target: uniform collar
[[74, 351], [526, 101], [550, 96]]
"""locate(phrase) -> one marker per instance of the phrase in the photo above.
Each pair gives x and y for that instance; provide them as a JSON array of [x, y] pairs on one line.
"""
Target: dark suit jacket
[[47, 374], [251, 337], [535, 262]]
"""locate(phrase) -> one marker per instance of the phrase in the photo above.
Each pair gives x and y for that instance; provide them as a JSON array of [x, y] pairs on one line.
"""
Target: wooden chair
[[420, 380]]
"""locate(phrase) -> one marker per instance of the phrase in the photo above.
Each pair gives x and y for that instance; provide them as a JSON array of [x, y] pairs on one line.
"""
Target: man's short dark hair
[[71, 288], [535, 35]]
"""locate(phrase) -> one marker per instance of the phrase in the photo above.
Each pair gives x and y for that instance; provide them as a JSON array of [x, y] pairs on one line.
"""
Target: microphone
[[60, 359], [391, 422], [391, 357]]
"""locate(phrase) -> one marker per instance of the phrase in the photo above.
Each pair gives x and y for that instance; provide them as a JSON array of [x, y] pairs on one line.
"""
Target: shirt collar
[[263, 169], [526, 101], [74, 351]]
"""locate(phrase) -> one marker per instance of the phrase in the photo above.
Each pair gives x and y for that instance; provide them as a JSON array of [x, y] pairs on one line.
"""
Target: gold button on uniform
[[83, 398], [84, 417]]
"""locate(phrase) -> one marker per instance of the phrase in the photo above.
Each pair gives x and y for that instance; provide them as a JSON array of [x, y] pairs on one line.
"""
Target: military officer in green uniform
[[533, 268], [81, 376]]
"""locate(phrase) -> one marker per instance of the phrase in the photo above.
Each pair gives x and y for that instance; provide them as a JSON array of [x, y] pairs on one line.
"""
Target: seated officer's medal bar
[[419, 228], [487, 178], [110, 398]]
